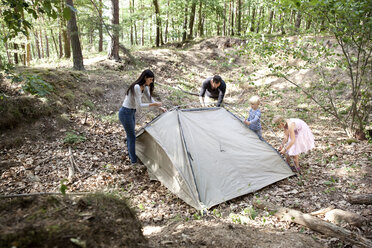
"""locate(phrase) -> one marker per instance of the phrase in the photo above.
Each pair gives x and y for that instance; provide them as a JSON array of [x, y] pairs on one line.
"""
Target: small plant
[[196, 216], [73, 138], [216, 213], [251, 212], [141, 207], [63, 186], [236, 218], [36, 86]]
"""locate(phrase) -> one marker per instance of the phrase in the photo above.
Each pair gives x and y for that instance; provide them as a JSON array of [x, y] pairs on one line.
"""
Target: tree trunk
[[54, 41], [184, 32], [253, 19], [200, 24], [8, 53], [314, 223], [239, 17], [232, 7], [166, 24], [37, 44], [41, 44], [114, 48], [67, 44], [100, 28], [271, 17], [77, 55], [158, 22], [131, 11], [23, 56], [259, 20], [361, 199], [224, 18], [192, 19], [47, 45], [60, 37], [298, 22], [15, 54]]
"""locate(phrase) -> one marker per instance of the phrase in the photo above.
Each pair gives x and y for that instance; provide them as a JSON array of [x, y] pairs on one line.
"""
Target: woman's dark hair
[[141, 81]]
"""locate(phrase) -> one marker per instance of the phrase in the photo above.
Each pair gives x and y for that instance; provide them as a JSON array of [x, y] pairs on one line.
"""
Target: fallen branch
[[314, 223], [361, 199], [72, 160], [43, 193], [338, 216], [322, 211]]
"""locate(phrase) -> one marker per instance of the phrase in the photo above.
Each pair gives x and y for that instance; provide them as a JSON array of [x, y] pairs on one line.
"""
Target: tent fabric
[[208, 156]]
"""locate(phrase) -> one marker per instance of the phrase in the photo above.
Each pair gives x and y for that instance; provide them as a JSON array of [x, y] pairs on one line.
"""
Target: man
[[215, 88]]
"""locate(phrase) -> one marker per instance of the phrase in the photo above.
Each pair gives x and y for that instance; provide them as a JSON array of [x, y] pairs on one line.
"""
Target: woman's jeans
[[127, 117]]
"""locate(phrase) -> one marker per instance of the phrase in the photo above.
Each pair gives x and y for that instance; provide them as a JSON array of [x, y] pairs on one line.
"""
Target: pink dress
[[304, 138]]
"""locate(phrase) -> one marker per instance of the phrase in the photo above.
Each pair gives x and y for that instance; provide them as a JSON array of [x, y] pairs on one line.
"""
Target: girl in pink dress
[[297, 138]]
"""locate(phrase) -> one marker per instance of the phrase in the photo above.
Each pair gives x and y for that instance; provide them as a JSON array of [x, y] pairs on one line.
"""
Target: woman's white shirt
[[135, 101]]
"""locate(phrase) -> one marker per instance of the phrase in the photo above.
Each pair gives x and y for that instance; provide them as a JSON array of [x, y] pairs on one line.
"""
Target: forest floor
[[80, 126]]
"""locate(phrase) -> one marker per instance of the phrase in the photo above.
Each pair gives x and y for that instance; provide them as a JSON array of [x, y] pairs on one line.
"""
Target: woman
[[144, 85], [297, 138]]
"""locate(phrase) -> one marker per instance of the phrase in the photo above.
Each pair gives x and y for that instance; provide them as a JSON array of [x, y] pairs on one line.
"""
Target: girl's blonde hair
[[254, 99], [277, 119]]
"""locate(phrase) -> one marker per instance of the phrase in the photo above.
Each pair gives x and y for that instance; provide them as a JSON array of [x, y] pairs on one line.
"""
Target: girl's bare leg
[[295, 158]]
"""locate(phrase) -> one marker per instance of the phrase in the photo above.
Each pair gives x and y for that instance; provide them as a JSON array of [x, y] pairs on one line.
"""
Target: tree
[[192, 19], [77, 55], [158, 22], [114, 47]]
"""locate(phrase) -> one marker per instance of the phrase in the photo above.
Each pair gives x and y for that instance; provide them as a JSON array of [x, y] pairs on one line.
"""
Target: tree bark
[[77, 55], [184, 32], [41, 44], [166, 24], [158, 22], [271, 17], [361, 199], [239, 17], [192, 19], [54, 41], [100, 28], [298, 21], [47, 45], [114, 47], [253, 19], [314, 223], [200, 25], [15, 54]]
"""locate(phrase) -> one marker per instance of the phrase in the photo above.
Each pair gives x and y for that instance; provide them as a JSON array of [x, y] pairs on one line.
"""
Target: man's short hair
[[217, 79]]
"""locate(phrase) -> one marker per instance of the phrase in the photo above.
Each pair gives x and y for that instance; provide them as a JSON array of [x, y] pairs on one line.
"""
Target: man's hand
[[202, 103], [163, 109], [247, 122]]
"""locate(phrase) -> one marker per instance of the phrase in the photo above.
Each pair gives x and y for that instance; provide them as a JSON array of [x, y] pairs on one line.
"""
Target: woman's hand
[[283, 151], [155, 104], [163, 109]]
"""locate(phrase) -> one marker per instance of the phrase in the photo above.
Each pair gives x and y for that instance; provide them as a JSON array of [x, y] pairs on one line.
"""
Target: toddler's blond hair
[[254, 99]]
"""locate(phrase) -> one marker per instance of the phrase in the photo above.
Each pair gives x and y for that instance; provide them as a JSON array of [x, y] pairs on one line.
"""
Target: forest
[[65, 68]]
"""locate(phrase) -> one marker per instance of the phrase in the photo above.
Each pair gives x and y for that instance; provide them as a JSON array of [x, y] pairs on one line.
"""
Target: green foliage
[[13, 11], [32, 84], [63, 186], [73, 138], [36, 86], [251, 212]]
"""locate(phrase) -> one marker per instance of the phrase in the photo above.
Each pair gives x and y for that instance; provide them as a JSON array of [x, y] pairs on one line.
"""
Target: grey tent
[[208, 156]]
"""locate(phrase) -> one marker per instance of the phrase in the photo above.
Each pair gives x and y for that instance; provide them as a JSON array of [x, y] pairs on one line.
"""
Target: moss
[[97, 91], [16, 110]]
